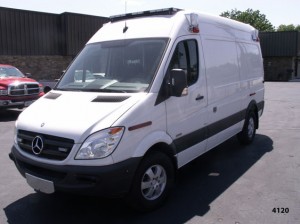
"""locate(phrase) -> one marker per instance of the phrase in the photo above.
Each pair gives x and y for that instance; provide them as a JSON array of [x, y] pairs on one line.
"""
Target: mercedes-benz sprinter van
[[148, 93]]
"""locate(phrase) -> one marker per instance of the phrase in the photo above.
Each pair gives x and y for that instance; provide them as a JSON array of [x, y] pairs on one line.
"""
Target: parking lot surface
[[234, 184]]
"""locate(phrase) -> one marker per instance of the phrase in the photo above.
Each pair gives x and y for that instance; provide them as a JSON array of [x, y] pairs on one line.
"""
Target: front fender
[[150, 140]]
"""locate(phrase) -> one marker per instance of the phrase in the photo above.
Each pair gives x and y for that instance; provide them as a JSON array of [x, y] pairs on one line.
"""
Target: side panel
[[224, 91], [251, 70]]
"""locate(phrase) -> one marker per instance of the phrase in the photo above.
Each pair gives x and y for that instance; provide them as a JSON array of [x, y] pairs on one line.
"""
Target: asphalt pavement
[[231, 184]]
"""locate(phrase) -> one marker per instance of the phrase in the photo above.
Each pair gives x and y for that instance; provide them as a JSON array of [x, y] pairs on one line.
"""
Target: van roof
[[171, 23]]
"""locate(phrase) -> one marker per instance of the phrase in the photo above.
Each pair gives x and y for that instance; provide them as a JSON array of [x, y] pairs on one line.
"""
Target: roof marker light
[[193, 22]]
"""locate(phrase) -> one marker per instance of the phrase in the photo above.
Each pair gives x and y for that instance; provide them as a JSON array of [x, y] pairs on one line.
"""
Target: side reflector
[[138, 126]]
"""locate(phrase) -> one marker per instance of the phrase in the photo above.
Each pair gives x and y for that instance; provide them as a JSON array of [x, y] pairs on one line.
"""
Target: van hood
[[75, 115]]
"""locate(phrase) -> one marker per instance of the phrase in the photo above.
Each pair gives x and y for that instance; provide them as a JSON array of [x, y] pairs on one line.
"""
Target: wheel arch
[[157, 141], [168, 150], [253, 107]]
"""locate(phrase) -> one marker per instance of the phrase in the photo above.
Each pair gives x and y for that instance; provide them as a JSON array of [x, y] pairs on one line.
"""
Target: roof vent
[[52, 96], [110, 99]]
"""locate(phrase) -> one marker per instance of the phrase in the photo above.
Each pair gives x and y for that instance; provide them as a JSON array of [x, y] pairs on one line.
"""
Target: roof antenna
[[125, 27]]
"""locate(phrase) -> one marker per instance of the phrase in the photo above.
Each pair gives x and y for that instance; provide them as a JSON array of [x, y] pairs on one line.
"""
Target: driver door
[[187, 115]]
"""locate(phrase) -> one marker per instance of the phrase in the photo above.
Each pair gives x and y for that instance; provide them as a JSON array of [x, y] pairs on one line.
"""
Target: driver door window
[[185, 57]]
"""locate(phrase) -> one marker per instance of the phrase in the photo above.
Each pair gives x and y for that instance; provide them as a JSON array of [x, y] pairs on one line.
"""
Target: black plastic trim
[[110, 180], [52, 96], [261, 105], [110, 99], [204, 133]]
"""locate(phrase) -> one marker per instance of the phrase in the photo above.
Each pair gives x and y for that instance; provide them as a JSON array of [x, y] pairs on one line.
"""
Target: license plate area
[[40, 184]]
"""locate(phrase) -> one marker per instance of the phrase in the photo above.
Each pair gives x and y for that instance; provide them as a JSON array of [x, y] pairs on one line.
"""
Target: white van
[[149, 93]]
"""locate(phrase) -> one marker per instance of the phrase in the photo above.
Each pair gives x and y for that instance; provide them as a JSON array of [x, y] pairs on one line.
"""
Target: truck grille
[[54, 148], [24, 89]]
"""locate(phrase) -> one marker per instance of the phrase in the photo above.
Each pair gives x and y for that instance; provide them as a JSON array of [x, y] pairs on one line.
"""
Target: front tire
[[152, 183], [246, 136]]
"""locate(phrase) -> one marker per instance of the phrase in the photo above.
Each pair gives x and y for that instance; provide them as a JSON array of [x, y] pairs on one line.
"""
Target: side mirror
[[28, 75], [178, 83]]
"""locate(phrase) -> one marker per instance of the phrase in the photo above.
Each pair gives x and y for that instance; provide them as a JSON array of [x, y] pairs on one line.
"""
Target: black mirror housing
[[178, 83]]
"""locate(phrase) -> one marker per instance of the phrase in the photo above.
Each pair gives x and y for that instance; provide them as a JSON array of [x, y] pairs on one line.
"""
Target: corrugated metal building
[[44, 44], [28, 33], [78, 29], [34, 33], [281, 53]]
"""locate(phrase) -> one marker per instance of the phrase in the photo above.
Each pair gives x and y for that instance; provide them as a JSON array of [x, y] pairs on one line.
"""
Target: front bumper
[[111, 180], [11, 104], [15, 104], [18, 101]]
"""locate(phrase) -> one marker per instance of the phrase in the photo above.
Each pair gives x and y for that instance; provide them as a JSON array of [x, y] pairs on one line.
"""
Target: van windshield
[[115, 66]]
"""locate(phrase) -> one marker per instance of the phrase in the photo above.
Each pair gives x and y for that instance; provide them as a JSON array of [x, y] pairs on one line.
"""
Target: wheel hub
[[153, 182]]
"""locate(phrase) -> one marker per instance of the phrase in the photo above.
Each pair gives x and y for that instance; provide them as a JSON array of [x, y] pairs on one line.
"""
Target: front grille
[[24, 89], [55, 148]]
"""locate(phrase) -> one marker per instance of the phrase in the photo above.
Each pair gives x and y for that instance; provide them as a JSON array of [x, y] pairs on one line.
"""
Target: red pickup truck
[[17, 90]]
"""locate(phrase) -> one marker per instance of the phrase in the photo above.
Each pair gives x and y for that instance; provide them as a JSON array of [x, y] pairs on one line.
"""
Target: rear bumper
[[112, 180]]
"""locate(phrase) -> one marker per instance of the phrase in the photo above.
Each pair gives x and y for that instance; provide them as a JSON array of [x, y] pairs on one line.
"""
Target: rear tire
[[152, 183], [246, 136]]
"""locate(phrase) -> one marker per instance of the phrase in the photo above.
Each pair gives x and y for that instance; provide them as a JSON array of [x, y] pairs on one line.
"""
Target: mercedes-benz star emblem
[[37, 145]]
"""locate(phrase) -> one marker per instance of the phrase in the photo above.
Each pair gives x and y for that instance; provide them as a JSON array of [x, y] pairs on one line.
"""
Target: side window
[[185, 57]]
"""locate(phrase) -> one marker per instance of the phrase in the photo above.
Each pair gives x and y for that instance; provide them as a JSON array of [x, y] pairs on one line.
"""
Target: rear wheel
[[152, 183], [246, 136]]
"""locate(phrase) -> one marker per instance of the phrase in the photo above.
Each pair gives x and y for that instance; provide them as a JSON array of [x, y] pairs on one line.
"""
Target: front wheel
[[152, 182], [246, 136]]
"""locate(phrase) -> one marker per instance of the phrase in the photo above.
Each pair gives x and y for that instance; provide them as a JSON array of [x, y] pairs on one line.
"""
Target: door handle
[[199, 97]]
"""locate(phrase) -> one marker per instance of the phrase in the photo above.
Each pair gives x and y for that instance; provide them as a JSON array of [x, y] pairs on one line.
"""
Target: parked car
[[16, 89]]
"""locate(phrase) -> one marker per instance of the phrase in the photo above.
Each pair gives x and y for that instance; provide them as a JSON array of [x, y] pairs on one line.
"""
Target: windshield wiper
[[69, 89], [106, 90], [92, 90]]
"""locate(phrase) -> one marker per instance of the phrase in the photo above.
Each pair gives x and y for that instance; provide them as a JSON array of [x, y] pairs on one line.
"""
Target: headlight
[[100, 144]]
